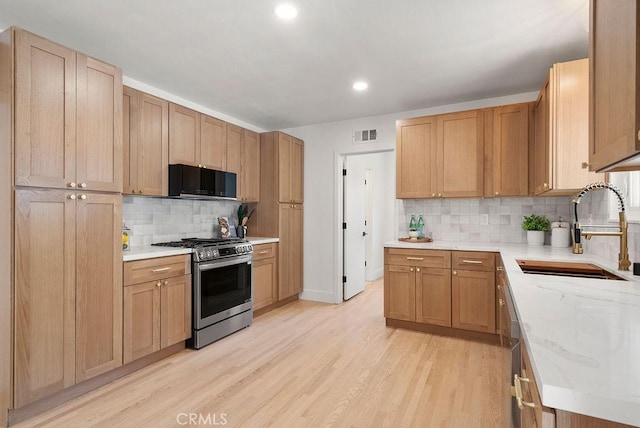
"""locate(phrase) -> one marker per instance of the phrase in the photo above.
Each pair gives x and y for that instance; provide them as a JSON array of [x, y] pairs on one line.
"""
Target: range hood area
[[186, 181]]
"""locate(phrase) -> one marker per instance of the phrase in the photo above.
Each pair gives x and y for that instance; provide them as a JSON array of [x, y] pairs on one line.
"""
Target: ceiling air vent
[[365, 136]]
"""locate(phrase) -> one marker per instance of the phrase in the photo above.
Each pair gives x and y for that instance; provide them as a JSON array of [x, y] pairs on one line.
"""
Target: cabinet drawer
[[425, 258], [264, 251], [473, 260], [152, 269]]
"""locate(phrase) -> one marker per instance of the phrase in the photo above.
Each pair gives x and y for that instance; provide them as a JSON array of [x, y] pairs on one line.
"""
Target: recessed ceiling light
[[360, 85], [286, 11]]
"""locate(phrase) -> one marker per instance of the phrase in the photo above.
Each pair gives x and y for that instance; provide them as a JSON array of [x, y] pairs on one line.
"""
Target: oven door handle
[[218, 264]]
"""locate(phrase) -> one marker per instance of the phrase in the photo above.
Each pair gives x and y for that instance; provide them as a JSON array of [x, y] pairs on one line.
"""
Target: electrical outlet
[[484, 219]]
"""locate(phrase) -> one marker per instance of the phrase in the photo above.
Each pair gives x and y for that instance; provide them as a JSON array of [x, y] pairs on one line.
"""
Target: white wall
[[323, 143]]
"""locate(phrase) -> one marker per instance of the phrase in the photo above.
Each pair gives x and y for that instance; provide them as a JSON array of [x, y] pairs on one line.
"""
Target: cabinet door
[[234, 150], [416, 174], [213, 143], [284, 167], [44, 294], [99, 125], [460, 157], [433, 296], [296, 255], [473, 300], [130, 99], [400, 292], [250, 166], [45, 113], [297, 170], [510, 150], [153, 146], [265, 286], [175, 310], [141, 329], [542, 141], [571, 127], [184, 135], [98, 284], [284, 251], [614, 82]]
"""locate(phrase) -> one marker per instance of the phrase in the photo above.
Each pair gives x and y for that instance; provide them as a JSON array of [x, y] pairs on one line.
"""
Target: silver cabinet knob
[[71, 196], [72, 184], [83, 197]]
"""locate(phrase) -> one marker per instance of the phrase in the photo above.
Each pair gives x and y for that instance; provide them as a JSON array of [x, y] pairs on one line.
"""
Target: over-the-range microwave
[[194, 182]]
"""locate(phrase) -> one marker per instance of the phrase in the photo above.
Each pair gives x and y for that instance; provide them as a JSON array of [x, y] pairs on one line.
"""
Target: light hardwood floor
[[305, 365]]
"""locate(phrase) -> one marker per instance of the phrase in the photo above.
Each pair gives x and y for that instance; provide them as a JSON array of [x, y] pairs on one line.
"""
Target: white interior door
[[368, 223], [354, 234]]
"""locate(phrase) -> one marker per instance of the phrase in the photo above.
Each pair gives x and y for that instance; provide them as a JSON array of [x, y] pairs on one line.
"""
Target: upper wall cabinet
[[68, 118], [561, 129], [243, 158], [614, 122], [291, 165], [507, 150], [213, 143], [146, 143], [440, 156]]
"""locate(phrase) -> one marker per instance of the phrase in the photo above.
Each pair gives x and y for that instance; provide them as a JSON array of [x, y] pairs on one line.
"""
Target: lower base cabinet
[[443, 288], [157, 311], [265, 275]]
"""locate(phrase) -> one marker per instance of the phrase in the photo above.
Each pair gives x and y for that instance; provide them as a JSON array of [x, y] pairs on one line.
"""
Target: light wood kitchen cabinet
[[197, 139], [68, 324], [290, 167], [507, 150], [290, 257], [415, 150], [417, 286], [445, 162], [561, 130], [213, 143], [68, 118], [265, 275], [146, 144], [281, 220], [473, 289], [400, 292], [243, 158], [157, 305], [433, 296], [249, 178], [184, 135], [614, 84]]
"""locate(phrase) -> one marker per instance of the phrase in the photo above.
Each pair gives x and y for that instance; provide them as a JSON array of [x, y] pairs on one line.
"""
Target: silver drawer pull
[[164, 269], [262, 252], [472, 262], [415, 258]]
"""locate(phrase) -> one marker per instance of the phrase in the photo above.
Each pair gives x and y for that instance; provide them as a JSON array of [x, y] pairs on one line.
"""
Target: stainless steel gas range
[[222, 278]]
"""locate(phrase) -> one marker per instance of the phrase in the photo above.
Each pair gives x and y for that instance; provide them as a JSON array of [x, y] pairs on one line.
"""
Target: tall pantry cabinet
[[66, 273], [280, 210]]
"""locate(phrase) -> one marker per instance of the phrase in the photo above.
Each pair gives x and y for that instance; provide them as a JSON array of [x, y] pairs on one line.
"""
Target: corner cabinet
[[68, 118], [157, 304], [507, 150], [561, 123], [146, 144], [440, 156], [614, 85], [68, 301]]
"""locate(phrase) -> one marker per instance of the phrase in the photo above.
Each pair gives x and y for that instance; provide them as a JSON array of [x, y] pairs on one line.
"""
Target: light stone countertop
[[582, 335], [149, 252]]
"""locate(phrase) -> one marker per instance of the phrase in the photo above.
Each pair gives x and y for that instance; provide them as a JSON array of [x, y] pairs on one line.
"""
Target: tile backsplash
[[460, 219], [157, 219]]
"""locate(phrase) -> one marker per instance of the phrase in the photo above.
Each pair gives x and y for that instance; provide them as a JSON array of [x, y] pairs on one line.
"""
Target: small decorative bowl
[[413, 234]]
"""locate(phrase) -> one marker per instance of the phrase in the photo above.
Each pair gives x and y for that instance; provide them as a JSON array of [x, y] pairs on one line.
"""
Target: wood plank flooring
[[309, 364]]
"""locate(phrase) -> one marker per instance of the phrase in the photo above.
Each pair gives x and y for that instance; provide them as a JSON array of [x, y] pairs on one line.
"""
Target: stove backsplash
[[159, 220]]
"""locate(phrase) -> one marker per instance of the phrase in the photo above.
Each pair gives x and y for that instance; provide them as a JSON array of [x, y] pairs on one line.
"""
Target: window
[[629, 185]]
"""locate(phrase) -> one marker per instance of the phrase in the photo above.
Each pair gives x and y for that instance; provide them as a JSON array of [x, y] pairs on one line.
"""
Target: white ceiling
[[236, 57]]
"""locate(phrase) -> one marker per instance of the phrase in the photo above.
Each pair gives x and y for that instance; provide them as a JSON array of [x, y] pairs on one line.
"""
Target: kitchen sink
[[572, 269]]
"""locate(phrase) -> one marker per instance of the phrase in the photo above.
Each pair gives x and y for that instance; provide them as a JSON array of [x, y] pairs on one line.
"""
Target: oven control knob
[[209, 254], [201, 254], [215, 253]]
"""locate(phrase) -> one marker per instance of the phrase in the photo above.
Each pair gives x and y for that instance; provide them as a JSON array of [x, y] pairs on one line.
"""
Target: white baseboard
[[318, 296], [376, 274]]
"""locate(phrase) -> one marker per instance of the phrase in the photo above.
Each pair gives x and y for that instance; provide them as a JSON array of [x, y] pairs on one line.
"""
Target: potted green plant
[[535, 225]]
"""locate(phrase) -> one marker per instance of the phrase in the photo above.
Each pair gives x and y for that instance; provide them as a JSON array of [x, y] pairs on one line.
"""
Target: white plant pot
[[535, 237]]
